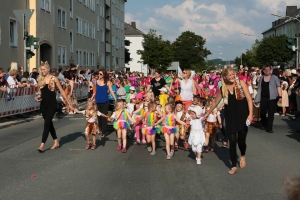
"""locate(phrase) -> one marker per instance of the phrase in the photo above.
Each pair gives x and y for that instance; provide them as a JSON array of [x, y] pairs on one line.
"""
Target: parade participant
[[121, 124], [3, 82], [268, 91], [92, 127], [70, 91], [238, 114], [188, 88], [137, 114], [197, 106], [212, 123], [149, 130], [175, 85], [169, 129], [183, 116], [103, 85], [163, 98], [48, 84], [148, 98], [157, 83], [196, 138]]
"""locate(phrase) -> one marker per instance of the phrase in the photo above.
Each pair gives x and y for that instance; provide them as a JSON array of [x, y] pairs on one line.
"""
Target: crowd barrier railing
[[22, 99]]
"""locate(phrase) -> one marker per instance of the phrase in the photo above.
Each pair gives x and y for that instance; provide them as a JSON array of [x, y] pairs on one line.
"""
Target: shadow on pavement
[[69, 138], [294, 129]]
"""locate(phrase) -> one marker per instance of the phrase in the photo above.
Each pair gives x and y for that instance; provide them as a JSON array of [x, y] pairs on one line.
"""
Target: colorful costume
[[92, 126], [211, 124], [170, 125], [121, 120], [197, 136], [163, 100], [150, 129], [137, 116]]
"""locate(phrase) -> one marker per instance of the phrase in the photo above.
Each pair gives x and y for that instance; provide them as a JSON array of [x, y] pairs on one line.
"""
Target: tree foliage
[[249, 58], [189, 50], [157, 52]]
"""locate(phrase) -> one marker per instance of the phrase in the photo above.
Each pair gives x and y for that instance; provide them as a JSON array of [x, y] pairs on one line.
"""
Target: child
[[182, 115], [285, 98], [148, 98], [149, 130], [163, 98], [195, 106], [169, 129], [142, 90], [196, 138], [211, 125], [137, 114], [92, 127], [120, 117], [130, 94]]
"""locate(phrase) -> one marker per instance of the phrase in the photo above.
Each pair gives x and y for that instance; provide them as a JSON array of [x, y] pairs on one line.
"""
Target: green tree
[[189, 50], [273, 49], [249, 58], [157, 52]]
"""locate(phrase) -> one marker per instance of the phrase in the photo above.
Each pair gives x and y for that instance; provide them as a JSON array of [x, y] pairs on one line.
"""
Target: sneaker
[[89, 145], [186, 146], [124, 150], [168, 157], [198, 161], [119, 148], [153, 153], [292, 118], [149, 149], [212, 149], [172, 153]]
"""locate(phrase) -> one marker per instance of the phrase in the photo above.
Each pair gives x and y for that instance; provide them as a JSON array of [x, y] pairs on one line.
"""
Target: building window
[[80, 1], [62, 18], [113, 40], [78, 56], [13, 33], [86, 3], [113, 19], [98, 22], [45, 5], [71, 42], [102, 35], [98, 48], [86, 28], [71, 8], [102, 13], [62, 55], [0, 30], [102, 60], [92, 5], [78, 25]]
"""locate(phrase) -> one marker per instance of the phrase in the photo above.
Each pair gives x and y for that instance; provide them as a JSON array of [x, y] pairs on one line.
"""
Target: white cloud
[[275, 5]]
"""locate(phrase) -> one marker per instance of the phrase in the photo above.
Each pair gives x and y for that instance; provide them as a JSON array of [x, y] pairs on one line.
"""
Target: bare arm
[[215, 103], [160, 120], [62, 92], [279, 90], [197, 87], [130, 118], [39, 93], [179, 121], [249, 100]]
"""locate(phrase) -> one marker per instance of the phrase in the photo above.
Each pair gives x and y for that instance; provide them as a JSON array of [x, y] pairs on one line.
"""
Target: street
[[71, 172]]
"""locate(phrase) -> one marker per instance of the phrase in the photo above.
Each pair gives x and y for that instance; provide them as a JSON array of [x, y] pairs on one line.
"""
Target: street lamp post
[[297, 48]]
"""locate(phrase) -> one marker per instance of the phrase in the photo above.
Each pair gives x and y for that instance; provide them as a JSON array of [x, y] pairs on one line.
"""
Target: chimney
[[291, 10], [133, 24]]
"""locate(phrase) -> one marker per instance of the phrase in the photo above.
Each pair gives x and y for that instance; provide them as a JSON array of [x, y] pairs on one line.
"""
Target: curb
[[19, 121]]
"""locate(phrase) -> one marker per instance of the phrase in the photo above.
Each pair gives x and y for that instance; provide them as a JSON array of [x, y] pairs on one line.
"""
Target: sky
[[218, 21]]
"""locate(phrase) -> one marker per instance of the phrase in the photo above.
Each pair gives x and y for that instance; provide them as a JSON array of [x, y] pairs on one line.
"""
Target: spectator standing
[[3, 82], [268, 90], [61, 76], [157, 83]]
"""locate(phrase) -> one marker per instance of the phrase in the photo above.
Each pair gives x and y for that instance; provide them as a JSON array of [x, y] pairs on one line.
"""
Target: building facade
[[135, 36], [81, 32]]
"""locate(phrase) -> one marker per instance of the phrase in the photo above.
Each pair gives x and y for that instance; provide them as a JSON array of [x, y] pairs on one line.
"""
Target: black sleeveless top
[[236, 113], [48, 97]]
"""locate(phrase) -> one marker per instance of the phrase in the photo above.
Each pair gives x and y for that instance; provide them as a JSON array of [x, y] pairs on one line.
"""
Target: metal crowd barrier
[[22, 99]]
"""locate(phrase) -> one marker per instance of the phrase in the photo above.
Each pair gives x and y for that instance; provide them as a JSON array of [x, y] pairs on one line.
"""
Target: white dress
[[197, 135]]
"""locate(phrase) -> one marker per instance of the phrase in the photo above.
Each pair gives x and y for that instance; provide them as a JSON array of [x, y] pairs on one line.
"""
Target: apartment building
[[70, 31]]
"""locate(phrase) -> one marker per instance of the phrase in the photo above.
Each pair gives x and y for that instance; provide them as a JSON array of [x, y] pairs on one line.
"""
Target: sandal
[[93, 147], [242, 162], [185, 144], [232, 171], [224, 145], [89, 145]]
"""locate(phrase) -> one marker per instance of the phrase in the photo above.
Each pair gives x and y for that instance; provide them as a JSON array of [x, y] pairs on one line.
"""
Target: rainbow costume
[[150, 129], [137, 116], [170, 125], [121, 120]]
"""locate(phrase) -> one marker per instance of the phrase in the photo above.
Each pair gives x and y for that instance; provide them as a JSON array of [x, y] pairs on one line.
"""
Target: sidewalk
[[14, 120]]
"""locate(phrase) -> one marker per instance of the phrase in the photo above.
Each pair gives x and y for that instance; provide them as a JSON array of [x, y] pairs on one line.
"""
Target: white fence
[[23, 100]]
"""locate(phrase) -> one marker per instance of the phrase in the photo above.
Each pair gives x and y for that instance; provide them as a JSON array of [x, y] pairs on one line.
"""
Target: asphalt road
[[72, 172]]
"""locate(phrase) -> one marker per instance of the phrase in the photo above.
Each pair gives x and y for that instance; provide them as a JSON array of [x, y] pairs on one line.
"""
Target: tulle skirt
[[169, 129], [152, 130], [121, 124]]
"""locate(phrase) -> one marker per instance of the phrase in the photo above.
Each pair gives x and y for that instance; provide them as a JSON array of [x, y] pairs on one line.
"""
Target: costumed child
[[163, 97], [121, 124], [149, 96], [92, 128], [197, 135], [212, 123], [195, 106], [169, 129], [149, 129], [136, 115], [183, 116]]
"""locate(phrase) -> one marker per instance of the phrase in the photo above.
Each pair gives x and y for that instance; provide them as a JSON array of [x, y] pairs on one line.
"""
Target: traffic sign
[[20, 16]]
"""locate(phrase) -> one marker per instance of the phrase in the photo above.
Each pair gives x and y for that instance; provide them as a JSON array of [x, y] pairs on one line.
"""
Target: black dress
[[236, 113]]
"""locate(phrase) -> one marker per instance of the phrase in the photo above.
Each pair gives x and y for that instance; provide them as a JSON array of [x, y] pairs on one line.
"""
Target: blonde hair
[[150, 95], [209, 100], [13, 72], [87, 111], [225, 72], [41, 79], [188, 72]]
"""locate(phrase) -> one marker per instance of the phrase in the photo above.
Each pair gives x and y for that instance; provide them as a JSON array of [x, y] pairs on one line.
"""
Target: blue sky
[[219, 21]]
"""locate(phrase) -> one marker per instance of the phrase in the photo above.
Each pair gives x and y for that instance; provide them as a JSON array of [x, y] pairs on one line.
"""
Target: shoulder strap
[[120, 115]]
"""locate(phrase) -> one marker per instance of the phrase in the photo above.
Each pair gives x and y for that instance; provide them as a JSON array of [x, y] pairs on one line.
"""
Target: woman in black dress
[[238, 111], [48, 85]]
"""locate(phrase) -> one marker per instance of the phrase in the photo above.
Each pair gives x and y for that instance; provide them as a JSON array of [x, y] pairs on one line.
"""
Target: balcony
[[108, 49], [107, 2], [107, 24]]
